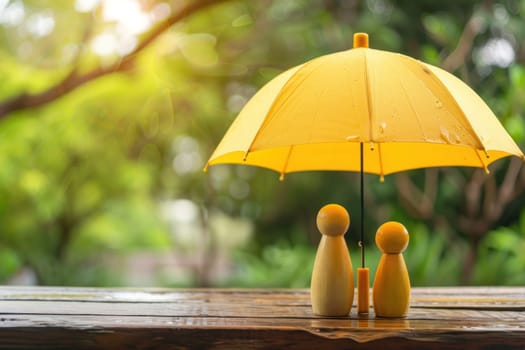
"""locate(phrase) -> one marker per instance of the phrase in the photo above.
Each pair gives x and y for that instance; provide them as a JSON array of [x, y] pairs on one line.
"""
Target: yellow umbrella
[[364, 110], [409, 113]]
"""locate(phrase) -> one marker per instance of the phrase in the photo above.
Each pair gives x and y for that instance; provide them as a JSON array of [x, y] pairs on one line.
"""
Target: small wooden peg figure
[[391, 292], [332, 286]]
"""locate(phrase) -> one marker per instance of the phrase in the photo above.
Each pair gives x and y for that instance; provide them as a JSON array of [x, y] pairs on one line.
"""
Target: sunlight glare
[[3, 4], [160, 11], [86, 5], [497, 52], [128, 16], [12, 14], [41, 24], [104, 44], [180, 210], [128, 20]]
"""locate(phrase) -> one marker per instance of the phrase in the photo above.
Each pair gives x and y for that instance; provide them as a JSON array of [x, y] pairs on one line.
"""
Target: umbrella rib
[[272, 110], [283, 171], [381, 172], [368, 99], [483, 164]]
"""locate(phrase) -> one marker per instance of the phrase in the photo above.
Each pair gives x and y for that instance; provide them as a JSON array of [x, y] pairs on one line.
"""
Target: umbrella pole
[[363, 276], [362, 177]]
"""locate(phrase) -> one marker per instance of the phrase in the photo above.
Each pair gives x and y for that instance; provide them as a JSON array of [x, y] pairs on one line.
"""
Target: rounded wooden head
[[333, 220], [392, 237]]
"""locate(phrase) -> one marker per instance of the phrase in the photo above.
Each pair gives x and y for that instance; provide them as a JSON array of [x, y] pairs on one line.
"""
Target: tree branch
[[420, 203], [464, 47], [473, 192], [511, 186], [73, 80]]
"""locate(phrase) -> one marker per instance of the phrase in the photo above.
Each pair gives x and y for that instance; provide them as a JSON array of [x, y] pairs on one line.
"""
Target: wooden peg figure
[[391, 292], [332, 286]]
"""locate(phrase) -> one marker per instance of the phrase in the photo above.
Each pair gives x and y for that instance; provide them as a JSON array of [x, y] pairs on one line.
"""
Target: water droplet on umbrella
[[352, 138], [439, 104], [458, 139], [445, 136], [382, 127]]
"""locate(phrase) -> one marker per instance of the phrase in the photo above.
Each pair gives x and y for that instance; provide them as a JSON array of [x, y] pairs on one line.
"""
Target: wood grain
[[93, 318]]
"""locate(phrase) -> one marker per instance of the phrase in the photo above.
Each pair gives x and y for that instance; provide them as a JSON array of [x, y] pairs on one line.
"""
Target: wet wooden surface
[[91, 318]]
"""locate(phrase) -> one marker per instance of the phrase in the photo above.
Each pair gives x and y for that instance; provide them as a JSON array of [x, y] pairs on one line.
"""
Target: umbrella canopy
[[409, 115]]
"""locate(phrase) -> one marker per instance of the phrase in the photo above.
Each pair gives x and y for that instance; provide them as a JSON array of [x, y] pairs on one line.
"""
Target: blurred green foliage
[[501, 256], [103, 185]]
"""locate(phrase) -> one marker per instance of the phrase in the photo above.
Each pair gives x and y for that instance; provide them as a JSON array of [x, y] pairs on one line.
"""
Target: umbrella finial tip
[[360, 40]]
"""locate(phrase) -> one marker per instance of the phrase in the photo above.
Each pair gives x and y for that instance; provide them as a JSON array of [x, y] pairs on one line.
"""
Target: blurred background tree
[[110, 108]]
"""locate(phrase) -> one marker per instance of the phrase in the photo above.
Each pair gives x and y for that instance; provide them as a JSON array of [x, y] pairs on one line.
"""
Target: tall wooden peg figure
[[391, 292], [332, 286]]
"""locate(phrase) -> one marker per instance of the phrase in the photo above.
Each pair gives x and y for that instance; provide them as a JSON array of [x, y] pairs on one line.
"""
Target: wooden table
[[87, 318]]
